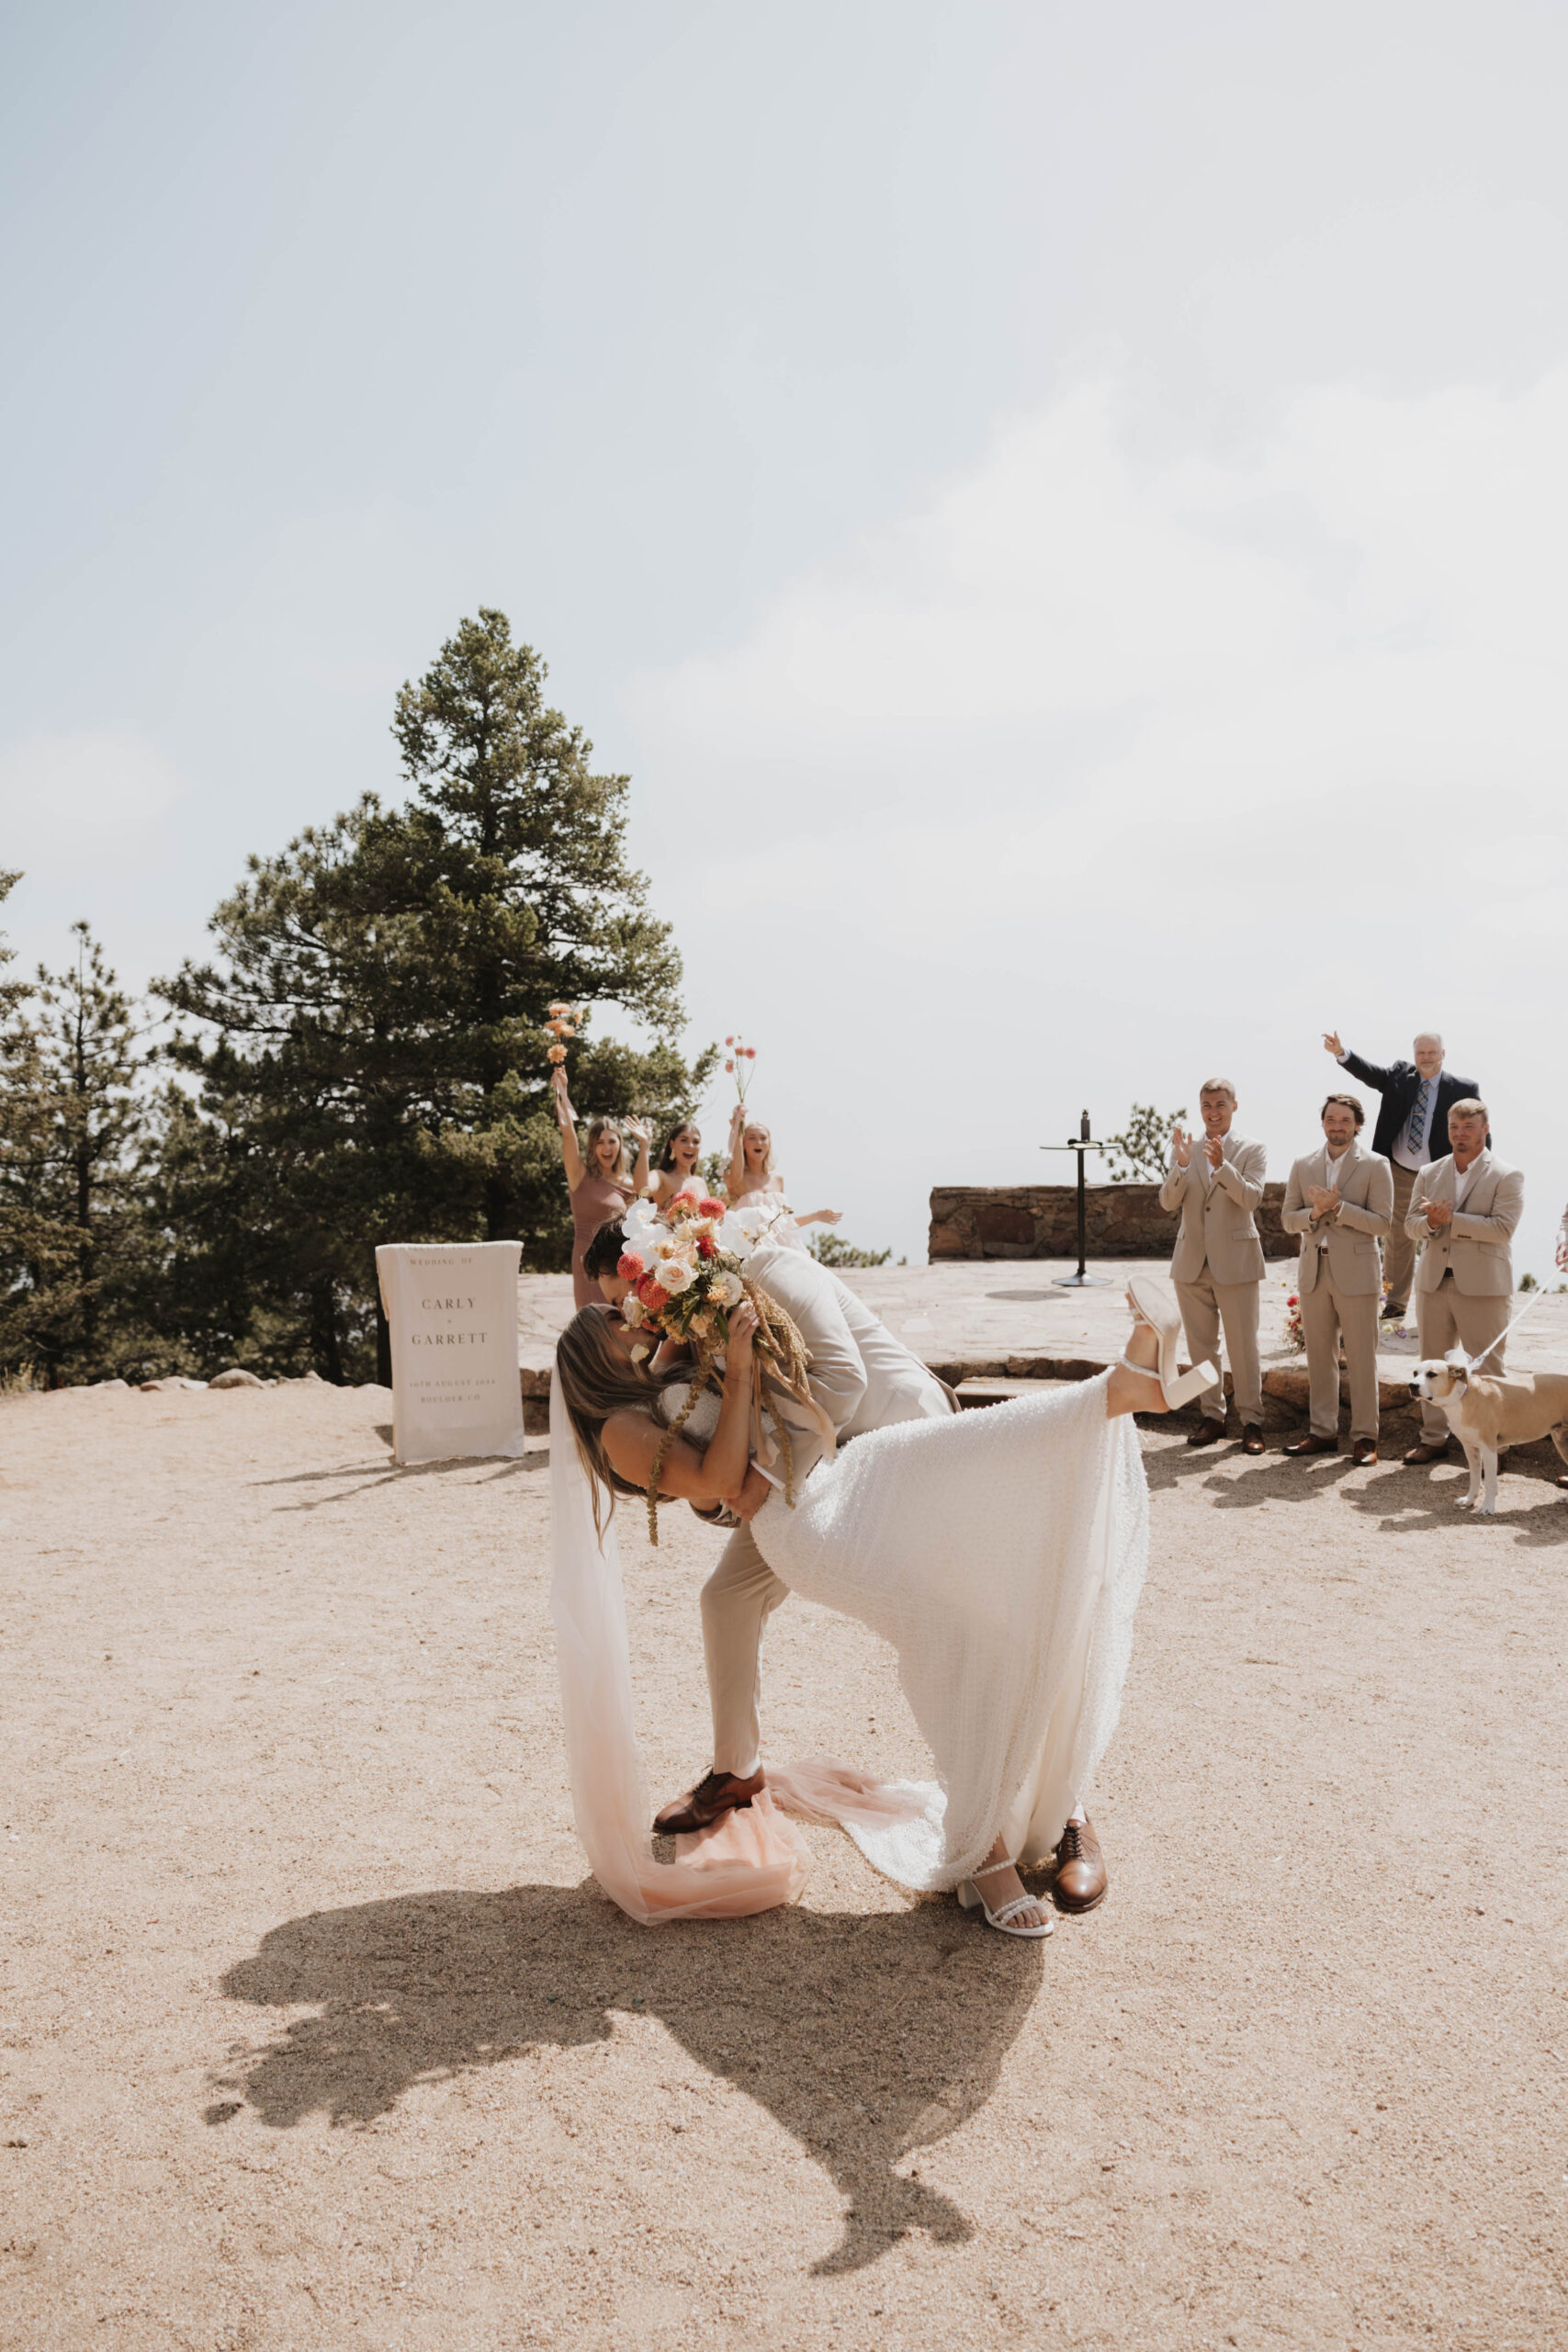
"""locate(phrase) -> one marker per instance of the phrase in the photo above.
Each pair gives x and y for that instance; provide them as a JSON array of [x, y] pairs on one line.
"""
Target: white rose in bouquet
[[677, 1274], [727, 1289]]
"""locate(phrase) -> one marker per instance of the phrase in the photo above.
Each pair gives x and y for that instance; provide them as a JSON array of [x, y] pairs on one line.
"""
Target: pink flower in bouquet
[[628, 1266], [558, 1053], [653, 1295], [1293, 1300], [710, 1207], [706, 1246], [735, 1061]]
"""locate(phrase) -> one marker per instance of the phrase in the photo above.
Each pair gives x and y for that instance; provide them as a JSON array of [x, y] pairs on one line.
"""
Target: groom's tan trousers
[[737, 1599]]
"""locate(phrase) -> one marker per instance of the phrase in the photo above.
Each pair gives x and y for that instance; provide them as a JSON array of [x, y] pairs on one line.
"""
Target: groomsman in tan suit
[[1340, 1200], [1462, 1211], [1218, 1266]]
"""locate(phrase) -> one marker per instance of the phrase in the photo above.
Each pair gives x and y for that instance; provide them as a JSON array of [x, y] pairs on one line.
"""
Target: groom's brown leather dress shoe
[[1419, 1455], [1310, 1442], [1081, 1879], [715, 1793], [1252, 1439], [1207, 1432]]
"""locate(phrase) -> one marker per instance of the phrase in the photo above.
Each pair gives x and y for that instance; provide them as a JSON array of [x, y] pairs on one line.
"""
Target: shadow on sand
[[865, 2036]]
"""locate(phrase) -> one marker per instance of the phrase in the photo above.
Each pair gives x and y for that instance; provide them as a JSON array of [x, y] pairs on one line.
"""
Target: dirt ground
[[313, 2032]]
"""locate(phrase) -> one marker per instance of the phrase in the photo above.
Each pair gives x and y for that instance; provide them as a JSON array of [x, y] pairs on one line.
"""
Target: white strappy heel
[[1154, 1303], [969, 1895]]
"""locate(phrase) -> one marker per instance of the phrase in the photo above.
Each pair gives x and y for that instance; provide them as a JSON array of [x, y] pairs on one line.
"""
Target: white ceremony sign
[[452, 1308]]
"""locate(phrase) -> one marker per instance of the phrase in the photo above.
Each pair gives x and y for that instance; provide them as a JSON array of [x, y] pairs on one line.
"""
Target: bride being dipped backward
[[1001, 1553]]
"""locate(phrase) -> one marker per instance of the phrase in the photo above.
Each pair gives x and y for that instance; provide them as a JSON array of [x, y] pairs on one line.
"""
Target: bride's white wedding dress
[[1001, 1552]]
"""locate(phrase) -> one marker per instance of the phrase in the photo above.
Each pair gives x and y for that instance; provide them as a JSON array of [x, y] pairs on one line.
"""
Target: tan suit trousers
[[1206, 1305], [738, 1600], [1399, 1249], [1444, 1317], [1326, 1313]]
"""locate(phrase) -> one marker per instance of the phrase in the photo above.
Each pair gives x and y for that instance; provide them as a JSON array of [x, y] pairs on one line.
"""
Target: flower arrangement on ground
[[1295, 1337], [686, 1267]]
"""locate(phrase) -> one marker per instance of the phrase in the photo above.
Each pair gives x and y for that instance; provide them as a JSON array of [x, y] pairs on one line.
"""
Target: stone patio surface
[[1006, 1319]]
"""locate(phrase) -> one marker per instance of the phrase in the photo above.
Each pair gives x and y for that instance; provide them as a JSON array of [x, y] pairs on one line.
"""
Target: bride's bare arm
[[632, 1439]]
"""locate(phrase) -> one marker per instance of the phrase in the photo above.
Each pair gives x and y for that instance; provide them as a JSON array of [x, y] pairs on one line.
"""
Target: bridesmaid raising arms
[[677, 1170], [750, 1181], [602, 1189]]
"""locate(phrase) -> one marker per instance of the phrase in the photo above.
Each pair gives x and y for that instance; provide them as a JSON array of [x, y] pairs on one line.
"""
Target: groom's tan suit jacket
[[1366, 1216], [861, 1376], [1477, 1244], [1219, 1216], [864, 1378]]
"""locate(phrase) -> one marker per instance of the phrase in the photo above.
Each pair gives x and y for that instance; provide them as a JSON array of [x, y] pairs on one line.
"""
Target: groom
[[864, 1379]]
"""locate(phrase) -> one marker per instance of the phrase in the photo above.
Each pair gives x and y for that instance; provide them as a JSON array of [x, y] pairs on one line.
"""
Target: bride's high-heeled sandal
[[969, 1895], [1154, 1303]]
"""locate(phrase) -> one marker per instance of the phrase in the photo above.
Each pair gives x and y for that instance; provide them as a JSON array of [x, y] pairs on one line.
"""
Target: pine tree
[[74, 1143], [370, 1048]]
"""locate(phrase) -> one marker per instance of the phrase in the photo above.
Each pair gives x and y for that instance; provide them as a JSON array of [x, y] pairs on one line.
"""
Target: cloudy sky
[[1063, 512]]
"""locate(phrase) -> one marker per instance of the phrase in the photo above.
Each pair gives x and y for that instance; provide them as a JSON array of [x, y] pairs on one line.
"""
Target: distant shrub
[[828, 1250], [1141, 1153]]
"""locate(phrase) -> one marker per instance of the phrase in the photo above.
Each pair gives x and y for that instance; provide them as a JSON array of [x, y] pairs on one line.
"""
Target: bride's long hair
[[597, 1379]]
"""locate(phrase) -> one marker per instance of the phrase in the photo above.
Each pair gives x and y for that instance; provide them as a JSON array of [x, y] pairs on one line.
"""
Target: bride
[[1001, 1552]]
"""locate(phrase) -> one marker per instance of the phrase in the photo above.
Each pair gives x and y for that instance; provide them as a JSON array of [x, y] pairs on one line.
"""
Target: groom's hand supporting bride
[[752, 1495]]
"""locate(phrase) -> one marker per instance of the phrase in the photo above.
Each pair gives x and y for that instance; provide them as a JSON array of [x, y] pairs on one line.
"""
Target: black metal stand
[[1080, 1142]]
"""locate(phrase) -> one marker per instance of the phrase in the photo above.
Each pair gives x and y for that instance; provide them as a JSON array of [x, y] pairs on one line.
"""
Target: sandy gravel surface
[[312, 2031]]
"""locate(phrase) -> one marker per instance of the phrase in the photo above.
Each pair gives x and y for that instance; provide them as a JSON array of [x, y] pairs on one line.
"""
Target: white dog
[[1486, 1413]]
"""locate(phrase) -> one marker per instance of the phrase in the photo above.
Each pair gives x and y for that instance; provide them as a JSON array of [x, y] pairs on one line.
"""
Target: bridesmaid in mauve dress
[[601, 1189]]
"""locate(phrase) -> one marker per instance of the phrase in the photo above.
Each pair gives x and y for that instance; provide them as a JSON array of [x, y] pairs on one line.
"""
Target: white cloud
[[1157, 765]]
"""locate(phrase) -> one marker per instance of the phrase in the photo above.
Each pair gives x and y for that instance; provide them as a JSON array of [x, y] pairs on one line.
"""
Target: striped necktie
[[1418, 1109]]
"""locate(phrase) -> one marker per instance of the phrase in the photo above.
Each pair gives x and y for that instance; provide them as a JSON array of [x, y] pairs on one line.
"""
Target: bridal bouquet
[[686, 1267]]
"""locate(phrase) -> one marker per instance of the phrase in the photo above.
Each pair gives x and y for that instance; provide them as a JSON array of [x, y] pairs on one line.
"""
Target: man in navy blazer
[[1412, 1132]]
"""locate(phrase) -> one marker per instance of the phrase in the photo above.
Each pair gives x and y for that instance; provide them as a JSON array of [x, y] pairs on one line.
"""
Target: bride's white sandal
[[969, 1895], [1154, 1303]]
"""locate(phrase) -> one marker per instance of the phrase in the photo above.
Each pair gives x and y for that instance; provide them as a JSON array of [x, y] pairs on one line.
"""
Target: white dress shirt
[[1462, 1184], [1331, 1184]]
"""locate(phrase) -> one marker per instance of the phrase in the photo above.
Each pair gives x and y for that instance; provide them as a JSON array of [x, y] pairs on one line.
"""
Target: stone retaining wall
[[1042, 1221]]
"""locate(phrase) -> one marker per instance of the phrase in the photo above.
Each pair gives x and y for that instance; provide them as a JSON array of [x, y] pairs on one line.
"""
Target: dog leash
[[1473, 1364]]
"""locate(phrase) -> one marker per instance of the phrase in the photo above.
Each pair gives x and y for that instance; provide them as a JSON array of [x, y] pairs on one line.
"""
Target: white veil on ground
[[750, 1861]]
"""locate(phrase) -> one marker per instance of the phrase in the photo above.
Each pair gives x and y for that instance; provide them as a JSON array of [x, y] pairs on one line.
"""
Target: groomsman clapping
[[1340, 1200], [1463, 1212], [1217, 1184]]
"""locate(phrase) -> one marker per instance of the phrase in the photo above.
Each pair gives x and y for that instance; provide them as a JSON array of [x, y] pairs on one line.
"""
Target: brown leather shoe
[[1207, 1432], [1080, 1881], [1310, 1442], [1362, 1451], [715, 1794], [1562, 1477], [1421, 1453], [1252, 1439]]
